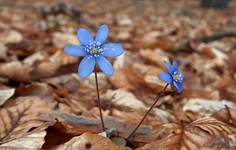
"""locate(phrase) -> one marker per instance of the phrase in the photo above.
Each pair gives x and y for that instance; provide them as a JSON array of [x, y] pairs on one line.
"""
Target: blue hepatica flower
[[94, 51], [173, 77]]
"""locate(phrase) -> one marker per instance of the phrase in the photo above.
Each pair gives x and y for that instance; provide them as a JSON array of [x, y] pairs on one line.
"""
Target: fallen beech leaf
[[89, 141], [207, 133], [206, 107], [42, 90], [48, 68], [34, 58], [227, 88], [76, 125], [124, 98], [15, 71], [12, 36], [227, 115], [32, 141], [63, 39], [17, 120], [119, 80], [5, 95], [3, 52], [153, 56]]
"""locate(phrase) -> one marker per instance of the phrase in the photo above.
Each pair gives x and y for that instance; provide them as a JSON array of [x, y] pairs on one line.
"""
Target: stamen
[[178, 76]]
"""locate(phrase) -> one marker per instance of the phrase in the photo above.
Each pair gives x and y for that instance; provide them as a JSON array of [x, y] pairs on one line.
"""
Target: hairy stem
[[157, 98], [98, 100]]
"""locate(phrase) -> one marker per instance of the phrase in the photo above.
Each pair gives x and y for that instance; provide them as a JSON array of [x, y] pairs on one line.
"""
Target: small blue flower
[[173, 77], [94, 51]]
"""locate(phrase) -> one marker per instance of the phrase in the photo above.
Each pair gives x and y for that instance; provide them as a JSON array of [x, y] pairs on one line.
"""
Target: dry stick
[[98, 99], [157, 98], [186, 45]]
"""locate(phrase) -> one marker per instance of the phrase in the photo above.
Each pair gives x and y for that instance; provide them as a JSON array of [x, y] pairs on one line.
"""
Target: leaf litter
[[45, 105]]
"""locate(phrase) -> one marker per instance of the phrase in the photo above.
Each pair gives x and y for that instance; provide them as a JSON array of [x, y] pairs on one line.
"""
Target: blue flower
[[94, 51], [173, 77]]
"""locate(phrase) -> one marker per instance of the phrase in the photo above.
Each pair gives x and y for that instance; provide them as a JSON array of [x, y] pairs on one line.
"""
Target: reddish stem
[[157, 98], [98, 100]]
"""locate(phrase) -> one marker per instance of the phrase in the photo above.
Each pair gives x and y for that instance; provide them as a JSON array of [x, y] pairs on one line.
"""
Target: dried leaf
[[226, 115], [207, 133], [33, 141], [124, 98], [89, 141], [17, 120], [206, 107], [76, 125], [153, 57], [5, 95], [15, 71]]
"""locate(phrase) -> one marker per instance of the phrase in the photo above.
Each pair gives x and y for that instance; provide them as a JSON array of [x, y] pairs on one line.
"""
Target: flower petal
[[175, 66], [102, 34], [169, 67], [74, 50], [105, 65], [179, 86], [84, 36], [112, 49], [86, 66], [166, 77]]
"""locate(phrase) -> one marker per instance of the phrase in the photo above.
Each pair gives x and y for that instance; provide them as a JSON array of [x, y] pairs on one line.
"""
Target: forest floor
[[44, 104]]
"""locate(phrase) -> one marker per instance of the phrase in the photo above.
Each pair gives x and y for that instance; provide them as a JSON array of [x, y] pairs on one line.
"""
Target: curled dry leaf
[[5, 95], [89, 141], [15, 70], [49, 68], [17, 120], [33, 141], [204, 133], [42, 90], [206, 107], [227, 115]]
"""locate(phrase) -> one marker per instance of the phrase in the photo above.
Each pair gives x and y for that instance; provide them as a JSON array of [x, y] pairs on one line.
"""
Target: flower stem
[[157, 98], [98, 100]]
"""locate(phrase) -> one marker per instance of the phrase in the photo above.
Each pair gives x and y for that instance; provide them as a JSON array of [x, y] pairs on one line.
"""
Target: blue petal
[[102, 34], [84, 36], [105, 65], [86, 66], [112, 50], [166, 77], [175, 66], [169, 67], [179, 86], [74, 50]]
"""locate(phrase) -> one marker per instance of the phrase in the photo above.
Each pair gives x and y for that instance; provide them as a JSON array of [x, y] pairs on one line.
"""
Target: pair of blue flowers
[[96, 50]]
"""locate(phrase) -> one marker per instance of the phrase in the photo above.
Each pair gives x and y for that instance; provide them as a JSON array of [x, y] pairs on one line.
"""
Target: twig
[[186, 45], [229, 113]]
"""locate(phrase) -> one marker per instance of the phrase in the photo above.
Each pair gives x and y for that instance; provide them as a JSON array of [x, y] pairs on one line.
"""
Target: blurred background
[[199, 34]]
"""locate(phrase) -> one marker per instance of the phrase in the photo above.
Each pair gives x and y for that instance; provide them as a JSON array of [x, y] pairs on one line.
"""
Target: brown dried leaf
[[33, 141], [20, 118], [15, 71], [203, 133], [153, 57], [89, 141], [227, 115], [119, 80], [76, 125], [5, 95]]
